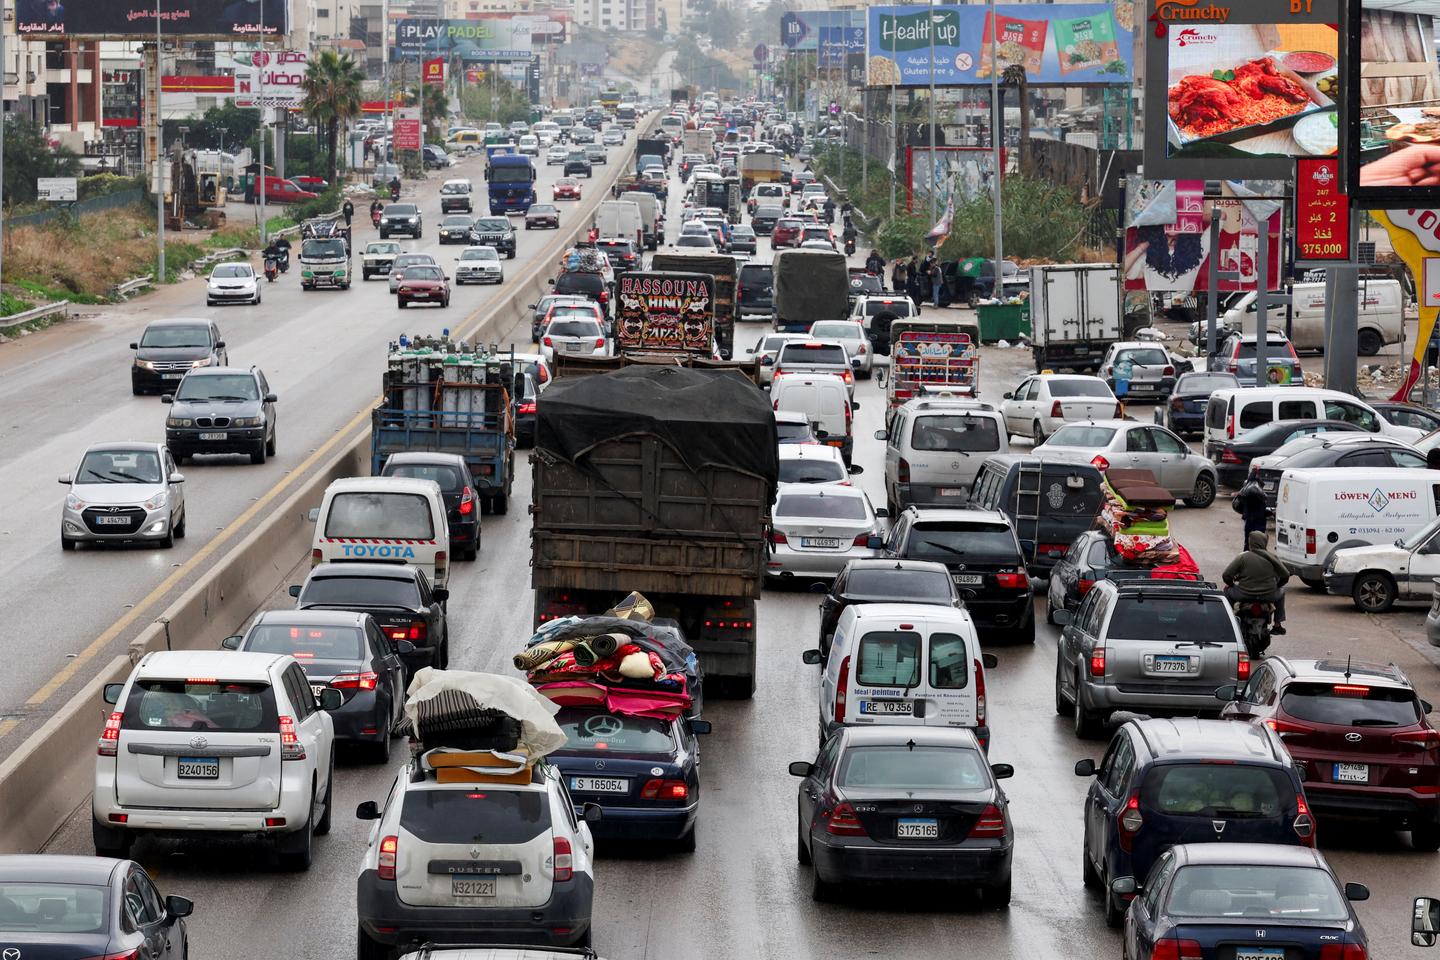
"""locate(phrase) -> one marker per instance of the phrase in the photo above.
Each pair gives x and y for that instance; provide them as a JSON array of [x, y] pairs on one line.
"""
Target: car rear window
[[482, 814], [889, 658], [572, 328], [822, 353], [792, 431], [589, 730], [1170, 618], [918, 768], [579, 283], [394, 516], [955, 433], [1079, 388], [1255, 890], [757, 274], [1146, 357], [1351, 704], [1082, 435], [1231, 790], [949, 542], [201, 704], [1203, 384], [361, 591], [53, 908], [447, 478], [811, 470], [1273, 351], [819, 507], [900, 308], [306, 641], [899, 584]]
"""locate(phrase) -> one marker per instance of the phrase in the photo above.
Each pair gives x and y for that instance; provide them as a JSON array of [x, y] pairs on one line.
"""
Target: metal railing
[[61, 307], [122, 290]]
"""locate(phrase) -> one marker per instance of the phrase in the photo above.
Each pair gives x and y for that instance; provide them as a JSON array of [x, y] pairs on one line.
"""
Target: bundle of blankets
[[1136, 515]]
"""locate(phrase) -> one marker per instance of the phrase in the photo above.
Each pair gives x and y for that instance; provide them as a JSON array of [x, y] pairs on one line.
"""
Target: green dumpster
[[1003, 321]]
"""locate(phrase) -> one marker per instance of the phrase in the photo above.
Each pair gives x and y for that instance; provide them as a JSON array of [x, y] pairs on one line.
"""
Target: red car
[[786, 233], [1359, 733], [280, 190], [566, 188], [313, 184], [423, 284]]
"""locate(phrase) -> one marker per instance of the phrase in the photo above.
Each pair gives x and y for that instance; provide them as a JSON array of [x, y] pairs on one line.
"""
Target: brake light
[[599, 343], [664, 790], [1168, 372], [1082, 586], [356, 681], [604, 296], [777, 537], [385, 864], [1343, 951], [110, 737], [1173, 949], [842, 822], [1425, 738], [526, 407], [564, 860], [902, 471], [1286, 727], [1350, 690], [991, 823], [441, 562], [1130, 822], [1242, 667], [1310, 540], [127, 955], [1100, 463], [547, 341], [848, 376], [1228, 455], [1055, 410], [316, 557], [290, 746], [1097, 662], [979, 694], [1012, 581], [862, 540], [1304, 824], [1230, 421], [840, 687], [467, 502]]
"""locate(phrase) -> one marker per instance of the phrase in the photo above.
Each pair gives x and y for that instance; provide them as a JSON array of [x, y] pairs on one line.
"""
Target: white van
[[1321, 510], [1234, 412], [823, 398], [384, 520], [652, 216], [1381, 316], [934, 449], [898, 664], [621, 219]]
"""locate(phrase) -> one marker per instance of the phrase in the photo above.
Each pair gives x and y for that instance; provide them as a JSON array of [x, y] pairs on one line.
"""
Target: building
[[623, 15]]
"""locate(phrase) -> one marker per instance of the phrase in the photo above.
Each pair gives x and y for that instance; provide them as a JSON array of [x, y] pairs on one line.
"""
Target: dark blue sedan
[[1242, 901], [1185, 410], [643, 772]]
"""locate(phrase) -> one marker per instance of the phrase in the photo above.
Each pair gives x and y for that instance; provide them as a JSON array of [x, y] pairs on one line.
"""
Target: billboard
[[472, 41], [1057, 44], [958, 173], [547, 27], [836, 43], [226, 19], [1167, 234], [434, 72], [1322, 212], [1394, 120], [283, 73], [800, 30], [1245, 89], [407, 128]]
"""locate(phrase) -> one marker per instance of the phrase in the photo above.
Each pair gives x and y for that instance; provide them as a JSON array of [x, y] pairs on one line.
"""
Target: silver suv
[[1146, 647], [934, 449]]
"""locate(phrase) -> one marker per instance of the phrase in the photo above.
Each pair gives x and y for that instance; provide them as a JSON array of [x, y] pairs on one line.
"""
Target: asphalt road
[[323, 352], [741, 894]]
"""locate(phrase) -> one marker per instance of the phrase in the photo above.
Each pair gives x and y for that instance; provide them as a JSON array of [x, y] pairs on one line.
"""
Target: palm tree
[[332, 96], [1015, 76]]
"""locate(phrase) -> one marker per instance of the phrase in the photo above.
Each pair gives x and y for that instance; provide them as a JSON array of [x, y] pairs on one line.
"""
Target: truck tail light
[[290, 746], [902, 471], [1097, 661], [316, 557], [110, 736], [1130, 822], [1309, 539], [1230, 421], [564, 860], [841, 821], [840, 687], [441, 564], [467, 502], [990, 824], [979, 693], [385, 863]]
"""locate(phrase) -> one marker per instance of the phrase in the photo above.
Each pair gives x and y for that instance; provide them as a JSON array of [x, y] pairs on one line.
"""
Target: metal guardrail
[[130, 286], [216, 257], [35, 313]]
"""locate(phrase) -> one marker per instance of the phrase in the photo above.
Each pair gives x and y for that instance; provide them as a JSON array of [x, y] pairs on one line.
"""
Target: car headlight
[[246, 421], [412, 219], [73, 502], [145, 364], [204, 362], [178, 422], [157, 501]]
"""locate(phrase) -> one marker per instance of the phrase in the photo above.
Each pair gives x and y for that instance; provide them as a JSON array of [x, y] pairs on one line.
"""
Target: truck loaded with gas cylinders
[[658, 312], [724, 272], [657, 480]]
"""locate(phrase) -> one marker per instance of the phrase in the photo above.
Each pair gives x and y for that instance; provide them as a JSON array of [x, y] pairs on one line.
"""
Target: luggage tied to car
[[1136, 516], [466, 711]]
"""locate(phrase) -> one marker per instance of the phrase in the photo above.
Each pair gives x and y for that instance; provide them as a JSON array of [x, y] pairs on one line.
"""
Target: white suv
[[475, 862], [214, 743]]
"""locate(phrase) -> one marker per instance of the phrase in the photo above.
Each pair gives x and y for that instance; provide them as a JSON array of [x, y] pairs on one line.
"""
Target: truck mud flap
[[729, 667]]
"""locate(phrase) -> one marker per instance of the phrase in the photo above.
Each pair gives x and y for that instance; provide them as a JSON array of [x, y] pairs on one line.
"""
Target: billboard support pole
[[264, 238], [931, 186], [159, 150], [997, 136], [1212, 286], [2, 131], [1262, 300], [894, 132]]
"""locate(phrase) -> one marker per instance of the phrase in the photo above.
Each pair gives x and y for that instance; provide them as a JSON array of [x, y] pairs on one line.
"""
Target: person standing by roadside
[[1250, 503], [937, 281], [898, 276]]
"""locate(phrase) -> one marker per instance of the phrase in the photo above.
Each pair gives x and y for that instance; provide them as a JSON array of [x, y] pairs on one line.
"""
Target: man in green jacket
[[1257, 574]]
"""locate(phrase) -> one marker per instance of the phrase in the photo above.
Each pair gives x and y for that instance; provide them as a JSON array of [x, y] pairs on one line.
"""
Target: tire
[[686, 844], [1088, 726], [296, 851], [1374, 592], [510, 255], [1037, 433], [1425, 837], [271, 443], [998, 896], [1063, 707], [180, 458], [1369, 343], [380, 752], [802, 852], [1089, 876], [257, 456], [322, 826], [112, 843], [180, 527], [401, 304], [1204, 493], [368, 949], [168, 541], [1050, 606], [209, 302], [821, 891], [67, 544], [499, 504], [1114, 912]]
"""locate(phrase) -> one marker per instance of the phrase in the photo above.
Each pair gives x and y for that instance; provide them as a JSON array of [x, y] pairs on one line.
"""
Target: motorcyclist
[[376, 208], [849, 233], [875, 264], [274, 251], [1257, 574], [395, 187], [347, 210]]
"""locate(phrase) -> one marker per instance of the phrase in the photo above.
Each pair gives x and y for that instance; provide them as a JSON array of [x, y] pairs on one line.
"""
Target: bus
[[610, 99], [626, 115]]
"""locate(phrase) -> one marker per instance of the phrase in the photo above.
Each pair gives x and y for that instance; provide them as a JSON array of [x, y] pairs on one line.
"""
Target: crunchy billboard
[[228, 19]]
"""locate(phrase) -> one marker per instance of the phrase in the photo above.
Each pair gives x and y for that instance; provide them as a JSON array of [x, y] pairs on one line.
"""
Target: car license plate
[[967, 579], [917, 829], [315, 688], [212, 436], [951, 492], [1259, 953], [112, 521], [827, 542], [1171, 665], [470, 887], [600, 784], [1352, 773], [888, 708], [574, 347], [198, 768], [171, 376]]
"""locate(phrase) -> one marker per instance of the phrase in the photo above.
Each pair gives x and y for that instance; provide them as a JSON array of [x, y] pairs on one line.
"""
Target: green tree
[[1015, 76], [434, 102], [28, 157], [494, 100], [723, 25], [332, 97]]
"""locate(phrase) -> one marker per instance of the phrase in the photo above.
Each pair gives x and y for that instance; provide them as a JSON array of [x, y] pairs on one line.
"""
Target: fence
[[111, 201]]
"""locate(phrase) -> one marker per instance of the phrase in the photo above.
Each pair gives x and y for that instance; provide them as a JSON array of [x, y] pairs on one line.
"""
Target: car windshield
[[955, 433], [306, 641], [1143, 617], [614, 732], [905, 768], [221, 386], [1080, 388], [383, 248], [361, 591], [899, 584], [446, 477], [201, 704], [453, 188], [457, 222], [53, 908], [328, 247], [423, 273], [410, 259], [379, 515], [1202, 383], [1081, 435], [480, 253], [545, 208], [1222, 789], [950, 541], [1255, 890], [836, 330], [120, 466], [232, 271], [176, 336], [1351, 704], [401, 210], [573, 328], [492, 224], [818, 506], [1144, 357], [512, 173], [811, 470]]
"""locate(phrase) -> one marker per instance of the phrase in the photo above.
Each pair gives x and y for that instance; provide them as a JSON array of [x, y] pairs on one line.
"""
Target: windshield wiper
[[1197, 643], [220, 398], [129, 477], [1372, 722], [100, 476], [941, 546]]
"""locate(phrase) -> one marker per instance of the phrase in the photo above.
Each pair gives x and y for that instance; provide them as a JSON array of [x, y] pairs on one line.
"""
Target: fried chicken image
[[1254, 93]]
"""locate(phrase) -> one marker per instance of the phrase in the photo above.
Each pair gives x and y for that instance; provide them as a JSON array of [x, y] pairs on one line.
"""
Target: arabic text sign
[[836, 42], [470, 40], [1063, 43], [55, 188], [407, 128], [234, 19], [283, 74], [1322, 212], [800, 30]]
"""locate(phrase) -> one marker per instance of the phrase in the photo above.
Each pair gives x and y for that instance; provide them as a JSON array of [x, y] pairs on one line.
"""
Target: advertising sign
[[1163, 252], [1060, 44], [800, 30], [470, 40], [960, 173], [1415, 237], [1322, 212], [1394, 121], [548, 27], [55, 188], [434, 72], [855, 69], [836, 43], [226, 19], [1243, 90], [407, 128], [283, 73], [673, 312]]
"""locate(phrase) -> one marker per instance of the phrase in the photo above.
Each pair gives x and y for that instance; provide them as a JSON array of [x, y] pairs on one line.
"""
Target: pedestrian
[[347, 211], [898, 276], [1250, 503], [936, 280]]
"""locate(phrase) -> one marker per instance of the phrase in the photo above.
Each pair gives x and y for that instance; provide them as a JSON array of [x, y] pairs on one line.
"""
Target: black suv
[[401, 218], [1164, 782], [576, 163], [884, 581], [169, 349], [592, 286], [457, 489], [494, 232], [981, 551], [755, 289], [221, 410]]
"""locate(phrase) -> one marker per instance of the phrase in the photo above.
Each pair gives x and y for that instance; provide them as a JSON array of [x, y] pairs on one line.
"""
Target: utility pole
[[264, 233], [934, 166], [997, 137], [2, 133], [159, 150]]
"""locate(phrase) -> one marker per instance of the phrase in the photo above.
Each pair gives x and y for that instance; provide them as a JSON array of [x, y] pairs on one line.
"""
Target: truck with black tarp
[[724, 271], [657, 480], [665, 312], [646, 147], [809, 285]]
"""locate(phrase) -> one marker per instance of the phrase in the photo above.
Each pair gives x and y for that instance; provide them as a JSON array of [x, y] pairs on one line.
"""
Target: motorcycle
[[849, 246], [272, 269], [1255, 617], [394, 191], [375, 219]]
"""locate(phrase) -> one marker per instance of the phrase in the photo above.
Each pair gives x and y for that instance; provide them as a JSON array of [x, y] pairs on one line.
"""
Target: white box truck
[[1074, 314]]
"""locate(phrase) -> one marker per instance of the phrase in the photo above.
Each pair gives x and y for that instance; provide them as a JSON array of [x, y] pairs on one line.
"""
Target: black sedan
[[1091, 557], [62, 906], [644, 772], [1242, 900], [882, 805], [398, 596], [542, 216], [525, 413], [1184, 411], [884, 581], [457, 489], [1232, 465], [347, 651], [456, 228], [1408, 415]]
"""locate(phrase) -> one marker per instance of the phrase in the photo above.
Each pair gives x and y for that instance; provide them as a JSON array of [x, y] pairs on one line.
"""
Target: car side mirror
[[231, 642], [271, 398], [179, 906], [167, 398], [875, 541], [854, 405], [313, 514], [176, 478], [1427, 706], [134, 346], [1008, 396], [369, 810], [855, 470], [1062, 617], [1125, 886], [1425, 922], [440, 593], [331, 699], [111, 692], [551, 281], [799, 768], [295, 590], [882, 435], [529, 306], [1356, 892], [1084, 768], [219, 344], [1002, 771], [66, 479], [700, 727], [591, 813], [1228, 693], [811, 657], [989, 661]]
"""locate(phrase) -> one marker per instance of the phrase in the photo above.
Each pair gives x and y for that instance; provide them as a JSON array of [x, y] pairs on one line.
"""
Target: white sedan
[[556, 154], [232, 283], [1045, 402], [479, 265], [851, 334]]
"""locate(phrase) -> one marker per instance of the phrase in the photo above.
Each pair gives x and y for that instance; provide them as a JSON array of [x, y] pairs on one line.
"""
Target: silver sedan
[[1137, 446], [818, 528], [850, 333]]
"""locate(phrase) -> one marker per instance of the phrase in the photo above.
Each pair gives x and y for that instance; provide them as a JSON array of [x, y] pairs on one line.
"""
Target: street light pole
[[260, 85], [997, 135], [2, 132], [159, 149], [934, 166]]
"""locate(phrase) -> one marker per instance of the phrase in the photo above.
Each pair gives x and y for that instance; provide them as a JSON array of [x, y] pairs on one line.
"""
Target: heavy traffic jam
[[733, 485]]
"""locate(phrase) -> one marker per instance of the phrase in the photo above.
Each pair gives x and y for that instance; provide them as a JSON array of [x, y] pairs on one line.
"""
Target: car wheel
[[112, 843], [1063, 707], [1050, 603], [322, 826], [1088, 724], [180, 527], [511, 254], [820, 890], [802, 852], [167, 542], [499, 504], [66, 543], [998, 896], [1369, 343], [401, 304], [367, 948], [1088, 874], [1425, 837], [1114, 911], [1204, 493], [270, 444], [209, 302], [257, 455], [1025, 634], [686, 844], [296, 851], [1037, 433], [1374, 591]]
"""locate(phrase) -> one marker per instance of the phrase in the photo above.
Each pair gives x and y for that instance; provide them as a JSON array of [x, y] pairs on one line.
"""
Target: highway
[[741, 894]]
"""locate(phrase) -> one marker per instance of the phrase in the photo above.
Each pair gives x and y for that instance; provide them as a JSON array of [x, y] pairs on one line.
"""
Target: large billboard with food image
[[1395, 102]]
